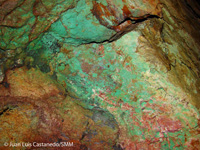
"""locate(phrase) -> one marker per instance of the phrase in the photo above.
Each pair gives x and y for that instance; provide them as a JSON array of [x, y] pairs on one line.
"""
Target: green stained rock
[[118, 64], [78, 26]]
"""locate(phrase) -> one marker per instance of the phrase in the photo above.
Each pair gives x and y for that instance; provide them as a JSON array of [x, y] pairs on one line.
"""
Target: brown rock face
[[117, 13], [31, 113]]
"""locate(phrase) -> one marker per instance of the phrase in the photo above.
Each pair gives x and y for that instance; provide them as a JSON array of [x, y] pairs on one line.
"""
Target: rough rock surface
[[110, 74]]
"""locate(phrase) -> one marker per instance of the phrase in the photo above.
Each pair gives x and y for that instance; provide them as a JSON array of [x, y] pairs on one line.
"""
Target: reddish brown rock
[[117, 15], [29, 114]]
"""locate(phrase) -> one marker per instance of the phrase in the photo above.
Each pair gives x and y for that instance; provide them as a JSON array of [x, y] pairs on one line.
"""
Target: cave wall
[[110, 74]]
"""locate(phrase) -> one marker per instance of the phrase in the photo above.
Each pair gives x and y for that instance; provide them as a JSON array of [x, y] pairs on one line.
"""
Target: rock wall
[[110, 74]]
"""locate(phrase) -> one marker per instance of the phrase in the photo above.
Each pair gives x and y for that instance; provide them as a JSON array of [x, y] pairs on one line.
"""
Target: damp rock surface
[[110, 74]]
